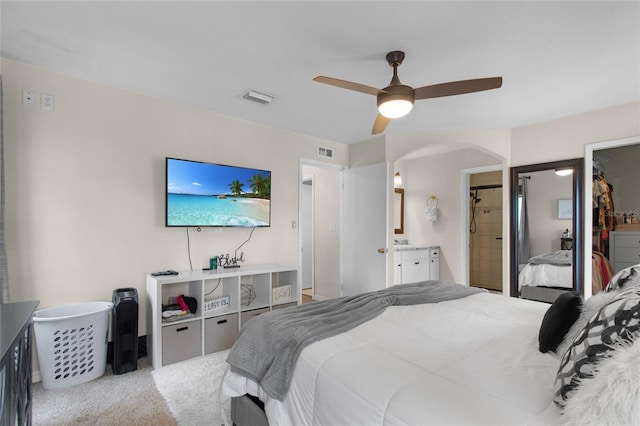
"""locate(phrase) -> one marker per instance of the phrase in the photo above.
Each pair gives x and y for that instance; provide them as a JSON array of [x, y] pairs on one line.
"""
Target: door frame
[[307, 178], [329, 166], [464, 201]]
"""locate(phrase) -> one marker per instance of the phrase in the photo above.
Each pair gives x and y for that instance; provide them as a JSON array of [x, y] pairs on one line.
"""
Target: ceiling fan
[[396, 100]]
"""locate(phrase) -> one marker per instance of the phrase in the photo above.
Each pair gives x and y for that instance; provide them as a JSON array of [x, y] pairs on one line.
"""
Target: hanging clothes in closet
[[601, 272], [603, 210]]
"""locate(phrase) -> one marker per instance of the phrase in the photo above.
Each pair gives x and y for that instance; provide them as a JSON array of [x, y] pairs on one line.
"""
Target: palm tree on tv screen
[[236, 187], [260, 186]]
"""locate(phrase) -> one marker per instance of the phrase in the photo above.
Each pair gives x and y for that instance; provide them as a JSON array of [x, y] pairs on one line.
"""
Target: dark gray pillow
[[558, 319]]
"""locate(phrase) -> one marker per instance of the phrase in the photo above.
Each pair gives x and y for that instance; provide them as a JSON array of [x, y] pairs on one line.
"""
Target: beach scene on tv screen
[[203, 194]]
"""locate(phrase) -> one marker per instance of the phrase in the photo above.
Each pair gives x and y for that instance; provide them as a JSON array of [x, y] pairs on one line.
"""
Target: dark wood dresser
[[15, 368]]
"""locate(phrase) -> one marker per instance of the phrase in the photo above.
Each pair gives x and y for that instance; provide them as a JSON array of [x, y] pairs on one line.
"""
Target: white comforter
[[467, 361], [546, 275]]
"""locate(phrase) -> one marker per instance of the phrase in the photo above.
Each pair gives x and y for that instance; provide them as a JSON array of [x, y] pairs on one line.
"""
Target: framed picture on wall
[[565, 209]]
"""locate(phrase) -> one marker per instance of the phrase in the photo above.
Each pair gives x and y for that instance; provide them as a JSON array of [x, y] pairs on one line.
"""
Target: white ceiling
[[556, 58]]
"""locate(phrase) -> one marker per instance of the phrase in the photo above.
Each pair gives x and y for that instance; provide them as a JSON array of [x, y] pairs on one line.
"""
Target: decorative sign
[[281, 293], [225, 261], [214, 305]]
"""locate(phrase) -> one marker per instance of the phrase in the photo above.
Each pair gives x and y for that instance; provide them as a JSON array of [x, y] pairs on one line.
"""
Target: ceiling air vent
[[259, 97], [325, 152]]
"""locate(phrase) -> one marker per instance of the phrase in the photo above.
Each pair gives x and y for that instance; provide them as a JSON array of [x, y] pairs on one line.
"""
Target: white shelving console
[[214, 330]]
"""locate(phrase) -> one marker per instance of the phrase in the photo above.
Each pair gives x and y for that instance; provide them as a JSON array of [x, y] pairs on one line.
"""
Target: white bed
[[473, 360], [546, 276]]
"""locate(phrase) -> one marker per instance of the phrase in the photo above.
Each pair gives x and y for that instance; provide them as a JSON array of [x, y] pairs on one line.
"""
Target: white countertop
[[406, 247]]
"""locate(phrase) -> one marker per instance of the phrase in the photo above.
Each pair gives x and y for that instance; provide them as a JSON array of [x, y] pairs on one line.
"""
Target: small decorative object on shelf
[[281, 293], [224, 261], [217, 304], [247, 294]]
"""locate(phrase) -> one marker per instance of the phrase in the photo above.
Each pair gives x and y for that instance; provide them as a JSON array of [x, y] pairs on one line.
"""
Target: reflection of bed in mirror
[[547, 275]]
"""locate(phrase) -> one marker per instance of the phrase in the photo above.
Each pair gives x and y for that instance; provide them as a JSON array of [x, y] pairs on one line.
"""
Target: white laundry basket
[[72, 343]]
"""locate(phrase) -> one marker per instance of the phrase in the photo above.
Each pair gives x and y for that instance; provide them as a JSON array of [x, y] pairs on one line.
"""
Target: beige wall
[[368, 152], [440, 175], [495, 142], [566, 138], [85, 187], [544, 190]]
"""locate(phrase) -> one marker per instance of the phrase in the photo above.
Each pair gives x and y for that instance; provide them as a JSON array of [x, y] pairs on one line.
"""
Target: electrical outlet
[[28, 98], [47, 102]]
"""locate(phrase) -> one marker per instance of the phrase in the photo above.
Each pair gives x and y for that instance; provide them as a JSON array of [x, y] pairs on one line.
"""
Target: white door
[[364, 256]]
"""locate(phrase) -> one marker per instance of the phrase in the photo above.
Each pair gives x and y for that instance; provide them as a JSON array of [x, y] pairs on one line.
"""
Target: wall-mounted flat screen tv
[[204, 194]]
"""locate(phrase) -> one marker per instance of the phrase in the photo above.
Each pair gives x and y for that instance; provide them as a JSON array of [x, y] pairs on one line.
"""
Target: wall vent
[[325, 152], [259, 97]]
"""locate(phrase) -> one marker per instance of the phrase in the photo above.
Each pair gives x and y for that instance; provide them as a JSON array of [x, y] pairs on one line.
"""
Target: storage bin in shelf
[[181, 341], [260, 283]]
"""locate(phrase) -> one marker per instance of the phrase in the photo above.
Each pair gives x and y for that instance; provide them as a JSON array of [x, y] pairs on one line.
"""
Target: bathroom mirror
[[398, 211], [546, 253]]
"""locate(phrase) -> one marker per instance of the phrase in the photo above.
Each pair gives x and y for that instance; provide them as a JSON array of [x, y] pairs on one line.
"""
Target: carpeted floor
[[192, 389], [184, 393]]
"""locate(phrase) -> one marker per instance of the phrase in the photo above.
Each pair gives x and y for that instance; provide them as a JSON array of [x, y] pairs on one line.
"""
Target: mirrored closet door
[[547, 238]]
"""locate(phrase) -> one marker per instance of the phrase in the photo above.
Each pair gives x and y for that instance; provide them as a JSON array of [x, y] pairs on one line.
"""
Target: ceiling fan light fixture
[[395, 101], [395, 108]]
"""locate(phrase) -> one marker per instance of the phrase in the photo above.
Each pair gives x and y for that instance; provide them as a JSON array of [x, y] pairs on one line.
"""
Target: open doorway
[[485, 217], [307, 238], [615, 162], [319, 220]]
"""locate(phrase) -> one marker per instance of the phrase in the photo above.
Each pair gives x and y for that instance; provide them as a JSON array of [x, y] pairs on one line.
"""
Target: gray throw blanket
[[269, 345], [557, 258]]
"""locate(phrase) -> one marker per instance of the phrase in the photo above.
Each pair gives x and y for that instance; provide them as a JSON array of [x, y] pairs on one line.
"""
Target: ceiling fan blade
[[380, 124], [362, 88], [457, 87]]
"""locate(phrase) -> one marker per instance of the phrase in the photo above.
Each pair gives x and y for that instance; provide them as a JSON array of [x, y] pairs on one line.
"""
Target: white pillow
[[612, 396], [624, 279]]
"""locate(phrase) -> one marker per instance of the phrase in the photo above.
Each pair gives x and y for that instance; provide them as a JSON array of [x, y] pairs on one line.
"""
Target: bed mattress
[[467, 361], [546, 276]]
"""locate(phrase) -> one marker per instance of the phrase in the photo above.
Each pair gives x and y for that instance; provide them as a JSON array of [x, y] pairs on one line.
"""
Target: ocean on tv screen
[[217, 210]]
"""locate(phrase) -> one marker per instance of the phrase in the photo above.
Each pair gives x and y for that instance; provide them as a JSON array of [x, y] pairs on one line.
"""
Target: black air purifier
[[124, 330]]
